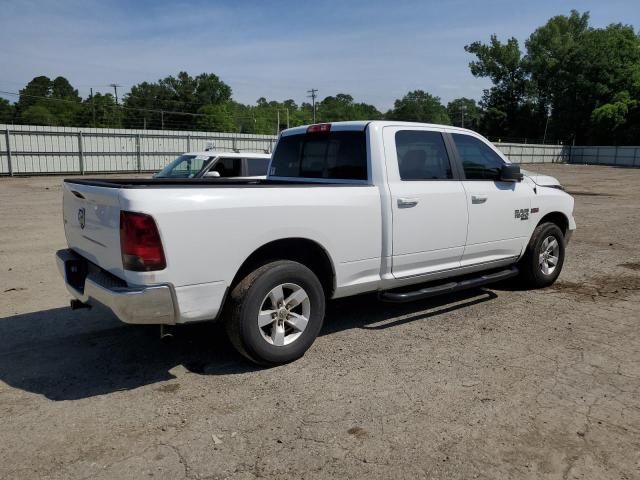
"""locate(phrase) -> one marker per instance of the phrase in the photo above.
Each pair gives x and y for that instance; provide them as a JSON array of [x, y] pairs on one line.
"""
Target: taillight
[[140, 243], [319, 128]]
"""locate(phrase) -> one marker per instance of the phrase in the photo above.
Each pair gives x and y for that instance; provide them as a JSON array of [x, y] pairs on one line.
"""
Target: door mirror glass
[[511, 173]]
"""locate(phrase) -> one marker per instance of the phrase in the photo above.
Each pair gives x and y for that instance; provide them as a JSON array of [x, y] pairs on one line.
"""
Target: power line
[[180, 120]]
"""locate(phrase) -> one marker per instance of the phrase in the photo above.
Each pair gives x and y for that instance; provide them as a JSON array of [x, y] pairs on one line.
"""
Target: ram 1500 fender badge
[[522, 213], [81, 217]]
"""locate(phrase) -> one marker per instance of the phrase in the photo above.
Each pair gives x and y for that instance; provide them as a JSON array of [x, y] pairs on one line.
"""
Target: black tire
[[246, 300], [531, 271]]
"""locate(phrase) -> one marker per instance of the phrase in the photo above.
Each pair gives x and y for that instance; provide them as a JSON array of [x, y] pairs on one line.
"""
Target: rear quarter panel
[[207, 233]]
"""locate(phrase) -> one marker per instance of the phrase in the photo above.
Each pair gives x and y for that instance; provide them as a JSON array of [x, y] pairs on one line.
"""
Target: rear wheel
[[544, 257], [275, 313]]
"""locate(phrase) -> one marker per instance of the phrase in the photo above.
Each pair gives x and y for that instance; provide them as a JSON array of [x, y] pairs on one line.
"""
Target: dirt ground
[[493, 383]]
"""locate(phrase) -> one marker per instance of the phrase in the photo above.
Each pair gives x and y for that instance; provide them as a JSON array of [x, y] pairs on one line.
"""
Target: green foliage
[[182, 93], [218, 118], [509, 110], [100, 111], [33, 92], [576, 72], [48, 102], [6, 111], [419, 106], [38, 115], [342, 108], [464, 110]]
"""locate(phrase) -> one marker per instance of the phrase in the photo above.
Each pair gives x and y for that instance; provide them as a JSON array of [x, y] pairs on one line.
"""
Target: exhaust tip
[[77, 305]]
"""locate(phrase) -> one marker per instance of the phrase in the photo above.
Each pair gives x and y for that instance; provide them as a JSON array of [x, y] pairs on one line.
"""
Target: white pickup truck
[[407, 210]]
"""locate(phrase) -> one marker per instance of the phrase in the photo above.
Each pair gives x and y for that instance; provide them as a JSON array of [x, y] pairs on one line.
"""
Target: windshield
[[185, 166]]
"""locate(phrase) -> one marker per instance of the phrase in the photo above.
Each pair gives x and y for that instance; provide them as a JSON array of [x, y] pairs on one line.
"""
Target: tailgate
[[92, 224]]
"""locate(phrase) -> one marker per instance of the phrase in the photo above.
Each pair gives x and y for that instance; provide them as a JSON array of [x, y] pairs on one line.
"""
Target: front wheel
[[544, 257], [275, 313]]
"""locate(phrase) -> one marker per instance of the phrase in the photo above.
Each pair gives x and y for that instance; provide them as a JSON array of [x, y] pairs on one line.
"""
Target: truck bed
[[198, 183]]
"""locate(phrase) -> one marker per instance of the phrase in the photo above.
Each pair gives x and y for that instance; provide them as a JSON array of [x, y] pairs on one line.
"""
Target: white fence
[[34, 150], [533, 153], [620, 156]]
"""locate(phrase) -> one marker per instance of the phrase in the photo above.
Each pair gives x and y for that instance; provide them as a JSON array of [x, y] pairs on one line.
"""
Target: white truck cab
[[407, 210]]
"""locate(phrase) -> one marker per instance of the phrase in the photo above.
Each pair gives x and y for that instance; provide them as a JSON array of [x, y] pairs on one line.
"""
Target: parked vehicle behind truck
[[404, 209], [217, 164]]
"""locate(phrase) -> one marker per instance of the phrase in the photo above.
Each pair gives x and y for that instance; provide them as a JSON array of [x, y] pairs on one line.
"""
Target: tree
[[464, 112], [509, 111], [6, 111], [61, 88], [37, 115], [553, 60], [47, 102], [100, 111], [37, 89], [419, 106], [174, 94], [587, 79], [218, 118], [343, 108]]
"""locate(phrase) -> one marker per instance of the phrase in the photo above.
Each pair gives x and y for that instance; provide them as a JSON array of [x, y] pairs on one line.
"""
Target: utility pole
[[115, 90], [287, 118], [462, 109], [278, 123], [313, 96], [544, 139], [93, 108]]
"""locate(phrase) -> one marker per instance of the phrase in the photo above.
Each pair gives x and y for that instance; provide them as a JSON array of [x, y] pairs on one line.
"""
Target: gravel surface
[[493, 383]]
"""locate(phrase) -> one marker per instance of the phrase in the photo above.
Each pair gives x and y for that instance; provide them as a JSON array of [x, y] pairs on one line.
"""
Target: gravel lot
[[492, 383]]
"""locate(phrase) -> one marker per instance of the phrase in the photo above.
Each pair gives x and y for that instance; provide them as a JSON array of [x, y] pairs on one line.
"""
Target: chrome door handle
[[407, 202], [478, 198]]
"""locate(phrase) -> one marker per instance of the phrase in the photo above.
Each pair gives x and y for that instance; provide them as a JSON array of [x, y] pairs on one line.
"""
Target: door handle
[[407, 202], [478, 198]]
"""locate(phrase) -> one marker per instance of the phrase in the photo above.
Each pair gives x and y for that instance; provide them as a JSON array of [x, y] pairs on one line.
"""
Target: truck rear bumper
[[132, 304]]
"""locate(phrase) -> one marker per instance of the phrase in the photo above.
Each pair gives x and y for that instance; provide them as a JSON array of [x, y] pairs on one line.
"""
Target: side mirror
[[212, 173], [511, 173]]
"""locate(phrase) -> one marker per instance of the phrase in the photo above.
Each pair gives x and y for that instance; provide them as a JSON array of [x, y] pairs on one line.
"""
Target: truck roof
[[222, 153], [362, 124]]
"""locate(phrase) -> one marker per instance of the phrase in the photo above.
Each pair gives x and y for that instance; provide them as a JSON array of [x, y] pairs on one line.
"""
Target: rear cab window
[[333, 156]]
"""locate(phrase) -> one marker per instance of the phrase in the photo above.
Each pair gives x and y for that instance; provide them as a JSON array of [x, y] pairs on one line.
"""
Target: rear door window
[[422, 155], [228, 167], [338, 155]]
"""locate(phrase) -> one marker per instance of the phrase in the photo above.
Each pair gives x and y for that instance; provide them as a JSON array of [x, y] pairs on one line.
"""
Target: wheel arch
[[302, 250], [559, 218]]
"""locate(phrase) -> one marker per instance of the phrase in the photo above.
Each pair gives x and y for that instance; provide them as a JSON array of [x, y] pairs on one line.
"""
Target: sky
[[375, 51]]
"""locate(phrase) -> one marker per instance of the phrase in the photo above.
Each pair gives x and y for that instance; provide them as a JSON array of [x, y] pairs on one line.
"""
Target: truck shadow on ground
[[70, 355]]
